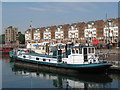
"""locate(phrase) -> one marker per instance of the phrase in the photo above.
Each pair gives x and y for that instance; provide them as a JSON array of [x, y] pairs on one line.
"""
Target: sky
[[19, 14]]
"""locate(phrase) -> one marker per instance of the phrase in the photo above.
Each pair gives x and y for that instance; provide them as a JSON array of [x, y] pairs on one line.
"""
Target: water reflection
[[4, 56], [61, 78]]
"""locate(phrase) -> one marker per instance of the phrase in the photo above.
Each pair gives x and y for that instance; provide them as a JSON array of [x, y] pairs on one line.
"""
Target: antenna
[[30, 24], [31, 29]]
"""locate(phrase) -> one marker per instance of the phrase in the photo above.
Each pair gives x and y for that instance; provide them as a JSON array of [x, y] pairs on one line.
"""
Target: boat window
[[77, 51], [85, 60], [80, 50], [89, 50], [43, 48], [73, 51], [92, 50], [37, 58], [59, 52]]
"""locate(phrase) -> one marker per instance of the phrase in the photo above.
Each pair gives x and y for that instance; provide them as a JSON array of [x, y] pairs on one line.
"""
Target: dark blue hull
[[94, 67]]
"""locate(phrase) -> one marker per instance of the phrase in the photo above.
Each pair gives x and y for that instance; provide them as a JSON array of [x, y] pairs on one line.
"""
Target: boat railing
[[102, 55], [89, 54]]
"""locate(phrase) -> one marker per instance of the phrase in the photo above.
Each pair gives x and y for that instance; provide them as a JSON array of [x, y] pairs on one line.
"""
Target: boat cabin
[[74, 55], [81, 55]]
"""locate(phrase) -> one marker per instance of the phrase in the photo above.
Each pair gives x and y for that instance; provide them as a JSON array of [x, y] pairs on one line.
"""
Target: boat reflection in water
[[4, 56], [61, 78]]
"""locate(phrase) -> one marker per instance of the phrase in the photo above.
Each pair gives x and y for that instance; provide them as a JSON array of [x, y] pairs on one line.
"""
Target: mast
[[31, 30], [106, 29]]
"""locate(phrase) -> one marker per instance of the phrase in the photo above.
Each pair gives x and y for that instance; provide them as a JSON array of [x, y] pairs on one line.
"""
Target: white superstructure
[[77, 55]]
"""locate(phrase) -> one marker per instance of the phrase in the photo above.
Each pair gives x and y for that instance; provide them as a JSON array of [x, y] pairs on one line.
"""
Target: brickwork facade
[[79, 32]]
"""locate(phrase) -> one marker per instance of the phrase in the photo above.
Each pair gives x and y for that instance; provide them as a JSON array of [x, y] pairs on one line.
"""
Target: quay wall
[[113, 56]]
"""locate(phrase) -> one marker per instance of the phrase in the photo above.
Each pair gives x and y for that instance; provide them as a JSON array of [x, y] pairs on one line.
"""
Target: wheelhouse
[[82, 55], [83, 50]]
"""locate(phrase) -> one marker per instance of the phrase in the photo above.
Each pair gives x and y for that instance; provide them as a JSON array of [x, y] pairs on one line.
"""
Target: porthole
[[37, 58], [24, 56], [44, 59]]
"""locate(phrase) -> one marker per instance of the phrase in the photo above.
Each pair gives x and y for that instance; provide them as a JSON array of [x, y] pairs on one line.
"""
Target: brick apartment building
[[111, 31], [28, 35], [119, 29], [11, 35], [76, 32], [59, 33]]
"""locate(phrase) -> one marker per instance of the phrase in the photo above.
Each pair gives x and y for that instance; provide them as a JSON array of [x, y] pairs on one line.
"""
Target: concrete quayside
[[111, 56]]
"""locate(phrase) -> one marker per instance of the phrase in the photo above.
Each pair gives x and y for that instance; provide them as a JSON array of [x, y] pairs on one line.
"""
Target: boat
[[6, 50], [80, 58]]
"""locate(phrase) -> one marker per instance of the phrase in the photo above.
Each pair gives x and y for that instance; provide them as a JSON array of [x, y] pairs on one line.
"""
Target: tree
[[21, 38], [2, 38]]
